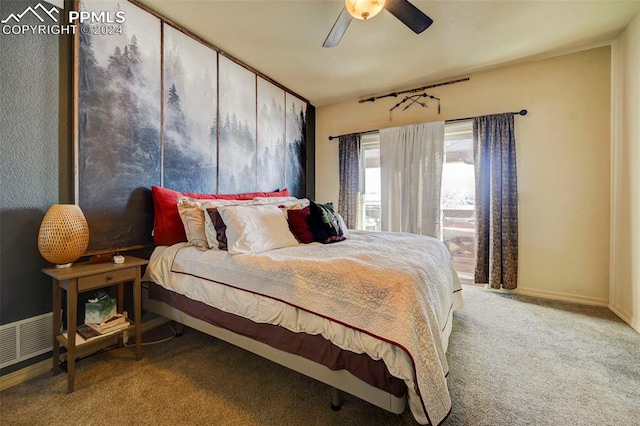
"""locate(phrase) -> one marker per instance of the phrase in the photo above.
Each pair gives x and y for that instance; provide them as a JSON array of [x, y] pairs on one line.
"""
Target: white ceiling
[[283, 39]]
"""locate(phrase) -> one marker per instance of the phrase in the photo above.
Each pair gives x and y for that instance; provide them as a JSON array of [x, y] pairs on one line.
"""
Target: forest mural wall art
[[237, 128], [190, 114], [156, 106]]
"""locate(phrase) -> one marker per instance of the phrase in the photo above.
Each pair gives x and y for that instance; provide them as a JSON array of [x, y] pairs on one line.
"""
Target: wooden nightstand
[[83, 277]]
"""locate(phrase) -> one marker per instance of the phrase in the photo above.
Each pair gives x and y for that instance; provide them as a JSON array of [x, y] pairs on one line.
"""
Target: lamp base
[[64, 265]]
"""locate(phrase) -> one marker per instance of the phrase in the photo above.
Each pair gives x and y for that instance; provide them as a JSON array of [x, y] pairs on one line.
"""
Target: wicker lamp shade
[[64, 235]]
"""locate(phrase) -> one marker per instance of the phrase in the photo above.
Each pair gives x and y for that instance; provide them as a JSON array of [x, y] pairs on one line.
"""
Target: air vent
[[25, 339]]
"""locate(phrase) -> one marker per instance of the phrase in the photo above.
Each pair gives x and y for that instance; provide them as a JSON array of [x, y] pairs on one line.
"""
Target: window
[[370, 182], [457, 198]]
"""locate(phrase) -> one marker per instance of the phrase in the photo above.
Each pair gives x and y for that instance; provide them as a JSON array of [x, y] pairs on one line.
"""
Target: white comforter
[[390, 295]]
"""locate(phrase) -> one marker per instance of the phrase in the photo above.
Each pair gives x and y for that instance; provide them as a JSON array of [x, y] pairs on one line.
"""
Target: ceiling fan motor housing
[[364, 9], [406, 13]]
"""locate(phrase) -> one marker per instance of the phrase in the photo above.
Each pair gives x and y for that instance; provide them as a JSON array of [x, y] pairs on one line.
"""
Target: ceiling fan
[[407, 13]]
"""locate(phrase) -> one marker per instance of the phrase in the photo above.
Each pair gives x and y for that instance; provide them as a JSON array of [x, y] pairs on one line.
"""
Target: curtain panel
[[411, 160], [494, 152], [348, 198]]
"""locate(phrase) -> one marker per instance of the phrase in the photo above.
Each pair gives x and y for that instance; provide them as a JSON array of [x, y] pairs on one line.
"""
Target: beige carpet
[[513, 361]]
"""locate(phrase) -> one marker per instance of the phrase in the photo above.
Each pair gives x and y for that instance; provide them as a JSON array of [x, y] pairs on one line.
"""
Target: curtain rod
[[453, 120]]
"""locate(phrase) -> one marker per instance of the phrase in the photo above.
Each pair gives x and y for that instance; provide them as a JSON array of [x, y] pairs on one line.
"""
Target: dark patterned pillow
[[221, 228], [324, 223]]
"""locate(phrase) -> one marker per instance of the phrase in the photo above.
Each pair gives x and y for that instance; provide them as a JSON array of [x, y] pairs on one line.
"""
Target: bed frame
[[339, 380]]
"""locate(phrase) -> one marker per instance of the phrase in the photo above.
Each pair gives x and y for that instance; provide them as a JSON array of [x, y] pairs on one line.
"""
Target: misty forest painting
[[190, 114], [119, 127], [157, 106], [237, 145], [295, 166], [271, 135]]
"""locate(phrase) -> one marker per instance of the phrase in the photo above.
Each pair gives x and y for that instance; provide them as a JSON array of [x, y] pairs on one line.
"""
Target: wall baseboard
[[626, 317], [24, 374], [45, 366], [564, 297]]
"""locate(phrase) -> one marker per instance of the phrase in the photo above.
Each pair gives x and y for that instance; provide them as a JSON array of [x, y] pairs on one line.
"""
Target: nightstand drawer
[[106, 278]]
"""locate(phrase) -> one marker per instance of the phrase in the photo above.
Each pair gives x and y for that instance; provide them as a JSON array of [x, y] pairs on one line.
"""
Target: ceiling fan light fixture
[[364, 9]]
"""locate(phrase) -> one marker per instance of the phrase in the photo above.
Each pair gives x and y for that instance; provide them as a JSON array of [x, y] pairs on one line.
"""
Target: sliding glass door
[[458, 196], [370, 182], [457, 199]]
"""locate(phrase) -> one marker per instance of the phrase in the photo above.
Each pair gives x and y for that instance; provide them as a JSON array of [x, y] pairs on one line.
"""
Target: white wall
[[625, 163], [563, 148]]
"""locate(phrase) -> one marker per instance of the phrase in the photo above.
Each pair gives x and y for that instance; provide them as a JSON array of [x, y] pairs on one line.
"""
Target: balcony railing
[[459, 235]]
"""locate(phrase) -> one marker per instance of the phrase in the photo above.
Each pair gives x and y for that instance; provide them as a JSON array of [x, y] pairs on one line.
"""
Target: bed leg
[[179, 328], [336, 399]]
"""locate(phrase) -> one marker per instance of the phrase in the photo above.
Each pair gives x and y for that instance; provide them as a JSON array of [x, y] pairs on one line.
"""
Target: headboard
[[155, 105]]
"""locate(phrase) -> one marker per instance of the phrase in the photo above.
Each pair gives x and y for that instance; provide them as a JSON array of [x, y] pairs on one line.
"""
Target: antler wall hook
[[415, 99]]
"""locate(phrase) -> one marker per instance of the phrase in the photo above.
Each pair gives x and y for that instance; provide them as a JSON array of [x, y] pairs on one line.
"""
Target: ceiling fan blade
[[338, 29], [410, 15]]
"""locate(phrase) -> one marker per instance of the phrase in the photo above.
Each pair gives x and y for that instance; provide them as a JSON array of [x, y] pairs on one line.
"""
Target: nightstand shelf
[[80, 341], [83, 277]]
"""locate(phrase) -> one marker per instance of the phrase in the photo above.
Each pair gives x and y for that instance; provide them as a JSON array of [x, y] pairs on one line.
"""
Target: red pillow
[[299, 226], [167, 225]]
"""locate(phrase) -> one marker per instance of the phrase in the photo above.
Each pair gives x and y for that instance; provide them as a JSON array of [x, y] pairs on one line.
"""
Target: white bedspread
[[390, 295]]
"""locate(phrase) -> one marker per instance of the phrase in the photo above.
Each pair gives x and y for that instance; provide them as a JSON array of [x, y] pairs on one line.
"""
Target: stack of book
[[114, 324]]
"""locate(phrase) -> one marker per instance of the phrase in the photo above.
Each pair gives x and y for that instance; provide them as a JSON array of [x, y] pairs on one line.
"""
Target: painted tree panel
[[119, 127], [190, 114], [271, 136], [296, 157], [237, 143]]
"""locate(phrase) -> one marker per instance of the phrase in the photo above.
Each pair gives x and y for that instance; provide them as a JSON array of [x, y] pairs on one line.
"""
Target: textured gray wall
[[30, 162]]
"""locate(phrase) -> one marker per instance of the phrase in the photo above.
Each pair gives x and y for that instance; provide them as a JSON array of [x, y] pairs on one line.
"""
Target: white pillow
[[273, 200], [192, 212], [256, 229], [284, 203]]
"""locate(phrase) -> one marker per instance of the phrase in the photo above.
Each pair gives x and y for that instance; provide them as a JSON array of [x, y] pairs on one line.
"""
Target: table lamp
[[64, 235]]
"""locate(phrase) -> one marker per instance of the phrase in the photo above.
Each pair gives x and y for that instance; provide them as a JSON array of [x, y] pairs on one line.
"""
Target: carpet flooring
[[514, 361]]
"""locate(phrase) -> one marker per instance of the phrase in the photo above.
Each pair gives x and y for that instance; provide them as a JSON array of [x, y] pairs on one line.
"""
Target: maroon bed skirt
[[313, 347]]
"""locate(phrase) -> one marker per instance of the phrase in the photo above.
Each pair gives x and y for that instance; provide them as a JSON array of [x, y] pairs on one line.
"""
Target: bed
[[370, 315]]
